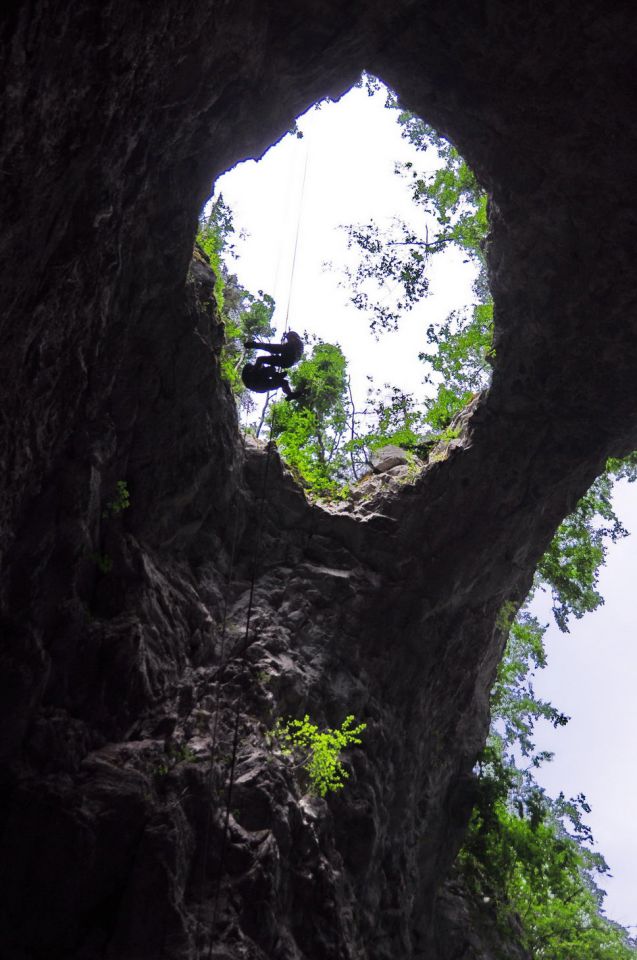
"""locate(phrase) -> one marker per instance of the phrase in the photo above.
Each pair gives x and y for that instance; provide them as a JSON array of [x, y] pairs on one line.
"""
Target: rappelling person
[[284, 354], [263, 379]]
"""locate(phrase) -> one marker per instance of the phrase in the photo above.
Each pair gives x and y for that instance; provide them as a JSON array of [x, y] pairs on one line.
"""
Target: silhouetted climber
[[263, 380], [284, 354]]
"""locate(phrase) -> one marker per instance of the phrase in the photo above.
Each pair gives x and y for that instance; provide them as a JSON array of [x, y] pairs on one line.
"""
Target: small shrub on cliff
[[120, 502], [245, 316], [321, 748], [212, 237]]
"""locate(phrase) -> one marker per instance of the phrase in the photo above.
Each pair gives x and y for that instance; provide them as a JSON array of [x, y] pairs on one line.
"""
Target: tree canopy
[[311, 434]]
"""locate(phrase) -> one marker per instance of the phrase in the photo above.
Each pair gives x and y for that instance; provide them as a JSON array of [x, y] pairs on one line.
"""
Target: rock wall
[[127, 672]]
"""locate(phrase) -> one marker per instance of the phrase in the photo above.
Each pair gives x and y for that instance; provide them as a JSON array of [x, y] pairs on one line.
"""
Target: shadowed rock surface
[[116, 683]]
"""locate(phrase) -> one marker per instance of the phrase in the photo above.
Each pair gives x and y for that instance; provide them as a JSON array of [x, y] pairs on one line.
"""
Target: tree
[[526, 853], [453, 210], [311, 434]]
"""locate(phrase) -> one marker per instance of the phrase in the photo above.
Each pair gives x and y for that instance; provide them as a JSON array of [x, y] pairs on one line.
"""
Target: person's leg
[[272, 361], [299, 394], [287, 355], [274, 349]]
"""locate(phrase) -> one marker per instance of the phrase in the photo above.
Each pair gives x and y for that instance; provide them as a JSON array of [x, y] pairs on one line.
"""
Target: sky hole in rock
[[299, 195], [341, 172]]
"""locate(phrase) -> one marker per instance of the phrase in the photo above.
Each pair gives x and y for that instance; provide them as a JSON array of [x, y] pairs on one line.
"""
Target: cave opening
[[338, 168]]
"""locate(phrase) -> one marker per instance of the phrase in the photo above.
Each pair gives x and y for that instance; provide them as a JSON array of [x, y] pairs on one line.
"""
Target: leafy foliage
[[570, 567], [395, 417], [213, 237], [322, 750], [311, 434], [245, 316], [514, 706], [525, 852], [321, 438], [120, 502], [529, 855], [454, 211]]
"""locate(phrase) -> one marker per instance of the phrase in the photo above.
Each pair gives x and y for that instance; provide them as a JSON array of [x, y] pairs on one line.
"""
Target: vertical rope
[[296, 239], [215, 726], [235, 734]]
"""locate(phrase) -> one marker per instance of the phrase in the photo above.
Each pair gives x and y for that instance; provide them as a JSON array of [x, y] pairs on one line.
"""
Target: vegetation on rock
[[312, 434], [246, 317], [319, 750]]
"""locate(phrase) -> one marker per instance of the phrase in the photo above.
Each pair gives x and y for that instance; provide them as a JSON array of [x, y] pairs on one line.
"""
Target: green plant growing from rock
[[103, 561], [112, 508], [244, 316], [120, 502], [174, 756], [322, 750]]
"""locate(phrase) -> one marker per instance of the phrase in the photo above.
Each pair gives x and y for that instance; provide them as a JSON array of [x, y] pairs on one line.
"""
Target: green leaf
[[323, 749]]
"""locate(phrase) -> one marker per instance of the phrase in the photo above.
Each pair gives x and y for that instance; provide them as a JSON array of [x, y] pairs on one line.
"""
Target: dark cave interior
[[114, 119]]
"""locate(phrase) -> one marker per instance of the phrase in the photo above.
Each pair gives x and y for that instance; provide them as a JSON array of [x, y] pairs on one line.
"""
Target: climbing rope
[[246, 639], [290, 289], [215, 723], [236, 725], [296, 238]]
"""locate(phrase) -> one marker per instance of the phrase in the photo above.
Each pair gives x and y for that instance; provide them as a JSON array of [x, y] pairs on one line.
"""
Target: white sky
[[342, 172], [591, 677]]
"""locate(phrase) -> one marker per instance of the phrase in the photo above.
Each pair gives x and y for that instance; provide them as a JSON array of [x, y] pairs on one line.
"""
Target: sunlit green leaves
[[528, 854], [461, 348], [213, 236], [514, 706], [570, 567], [320, 750], [245, 316], [311, 433]]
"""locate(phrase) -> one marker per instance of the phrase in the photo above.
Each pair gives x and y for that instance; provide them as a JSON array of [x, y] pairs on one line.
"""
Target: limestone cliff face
[[124, 649]]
